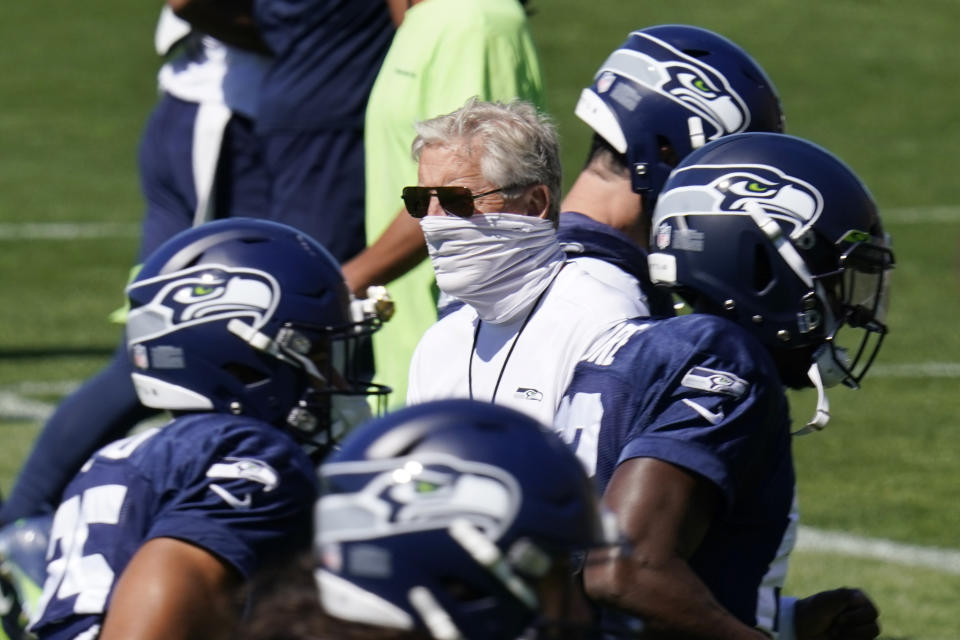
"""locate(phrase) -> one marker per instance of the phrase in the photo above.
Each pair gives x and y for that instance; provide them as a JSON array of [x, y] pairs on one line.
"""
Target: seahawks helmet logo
[[419, 493], [710, 189], [696, 86], [206, 293]]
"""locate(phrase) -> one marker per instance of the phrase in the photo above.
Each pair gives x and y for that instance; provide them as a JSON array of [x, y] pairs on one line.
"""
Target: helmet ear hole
[[245, 374], [762, 269], [668, 154], [462, 591]]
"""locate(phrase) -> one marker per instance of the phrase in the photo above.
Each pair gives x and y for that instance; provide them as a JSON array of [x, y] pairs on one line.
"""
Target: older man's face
[[448, 167]]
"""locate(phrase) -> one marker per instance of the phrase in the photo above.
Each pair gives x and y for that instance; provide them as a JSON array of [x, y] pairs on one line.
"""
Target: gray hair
[[517, 144]]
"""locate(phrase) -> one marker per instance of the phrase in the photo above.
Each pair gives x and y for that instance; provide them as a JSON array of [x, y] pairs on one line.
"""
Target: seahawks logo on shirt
[[715, 381], [250, 469], [206, 293]]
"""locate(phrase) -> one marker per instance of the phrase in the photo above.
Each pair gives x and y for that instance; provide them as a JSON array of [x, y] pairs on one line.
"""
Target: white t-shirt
[[615, 277], [530, 371]]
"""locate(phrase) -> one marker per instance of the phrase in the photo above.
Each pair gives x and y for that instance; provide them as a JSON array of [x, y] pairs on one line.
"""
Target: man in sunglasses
[[495, 59], [487, 200]]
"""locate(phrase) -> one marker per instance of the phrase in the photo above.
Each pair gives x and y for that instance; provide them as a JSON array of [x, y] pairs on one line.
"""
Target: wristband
[[786, 629]]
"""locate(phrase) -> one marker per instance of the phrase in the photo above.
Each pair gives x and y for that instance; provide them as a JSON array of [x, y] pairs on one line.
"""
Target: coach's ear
[[538, 201]]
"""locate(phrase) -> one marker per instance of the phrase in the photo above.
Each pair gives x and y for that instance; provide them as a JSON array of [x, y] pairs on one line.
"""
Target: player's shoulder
[[706, 331], [575, 229], [663, 340], [225, 432], [194, 440], [204, 448], [190, 430]]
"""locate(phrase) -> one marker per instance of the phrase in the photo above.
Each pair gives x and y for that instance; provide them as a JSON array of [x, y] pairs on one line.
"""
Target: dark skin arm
[[398, 249], [664, 511], [230, 21], [172, 590]]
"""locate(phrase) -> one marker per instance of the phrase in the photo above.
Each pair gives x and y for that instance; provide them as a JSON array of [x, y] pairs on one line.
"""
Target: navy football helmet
[[670, 89], [443, 517], [249, 317], [782, 237]]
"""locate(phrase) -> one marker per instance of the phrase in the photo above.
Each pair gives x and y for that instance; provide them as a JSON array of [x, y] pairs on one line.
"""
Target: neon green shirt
[[444, 52]]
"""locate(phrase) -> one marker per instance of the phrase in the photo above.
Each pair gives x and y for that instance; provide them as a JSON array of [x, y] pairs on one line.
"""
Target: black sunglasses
[[457, 201]]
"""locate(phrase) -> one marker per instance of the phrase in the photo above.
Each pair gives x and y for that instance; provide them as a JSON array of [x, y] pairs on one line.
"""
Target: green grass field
[[874, 81]]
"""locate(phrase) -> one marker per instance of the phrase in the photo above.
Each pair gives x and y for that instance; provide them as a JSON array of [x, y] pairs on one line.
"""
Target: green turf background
[[875, 81]]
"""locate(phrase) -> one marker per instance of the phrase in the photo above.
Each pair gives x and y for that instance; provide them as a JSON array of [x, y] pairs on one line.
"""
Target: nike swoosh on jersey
[[709, 416], [231, 499]]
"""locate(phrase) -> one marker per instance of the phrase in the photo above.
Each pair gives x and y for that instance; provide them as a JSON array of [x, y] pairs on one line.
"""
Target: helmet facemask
[[858, 296], [335, 393]]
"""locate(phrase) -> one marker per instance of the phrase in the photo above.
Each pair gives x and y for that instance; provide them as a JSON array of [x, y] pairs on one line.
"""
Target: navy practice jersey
[[237, 487], [326, 56], [699, 392], [583, 237]]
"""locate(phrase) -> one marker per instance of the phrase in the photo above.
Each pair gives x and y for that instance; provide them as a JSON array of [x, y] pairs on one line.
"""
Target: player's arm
[[172, 590], [664, 512], [398, 249], [230, 21]]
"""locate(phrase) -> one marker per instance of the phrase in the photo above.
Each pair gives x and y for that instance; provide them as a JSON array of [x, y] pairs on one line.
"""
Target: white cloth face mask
[[498, 263]]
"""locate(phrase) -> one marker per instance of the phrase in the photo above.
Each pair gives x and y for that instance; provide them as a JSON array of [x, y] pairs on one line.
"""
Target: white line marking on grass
[[917, 370], [75, 230], [14, 405], [920, 215], [36, 387], [946, 560], [67, 230]]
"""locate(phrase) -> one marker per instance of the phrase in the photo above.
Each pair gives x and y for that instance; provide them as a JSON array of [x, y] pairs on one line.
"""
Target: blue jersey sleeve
[[695, 391], [246, 496], [240, 489]]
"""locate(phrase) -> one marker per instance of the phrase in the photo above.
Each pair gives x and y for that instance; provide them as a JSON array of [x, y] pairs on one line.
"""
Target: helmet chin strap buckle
[[262, 342], [822, 415]]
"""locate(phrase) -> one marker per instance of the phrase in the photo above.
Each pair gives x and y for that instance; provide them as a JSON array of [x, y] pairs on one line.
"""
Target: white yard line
[[76, 230], [945, 560], [67, 230], [915, 215], [16, 405], [916, 370]]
